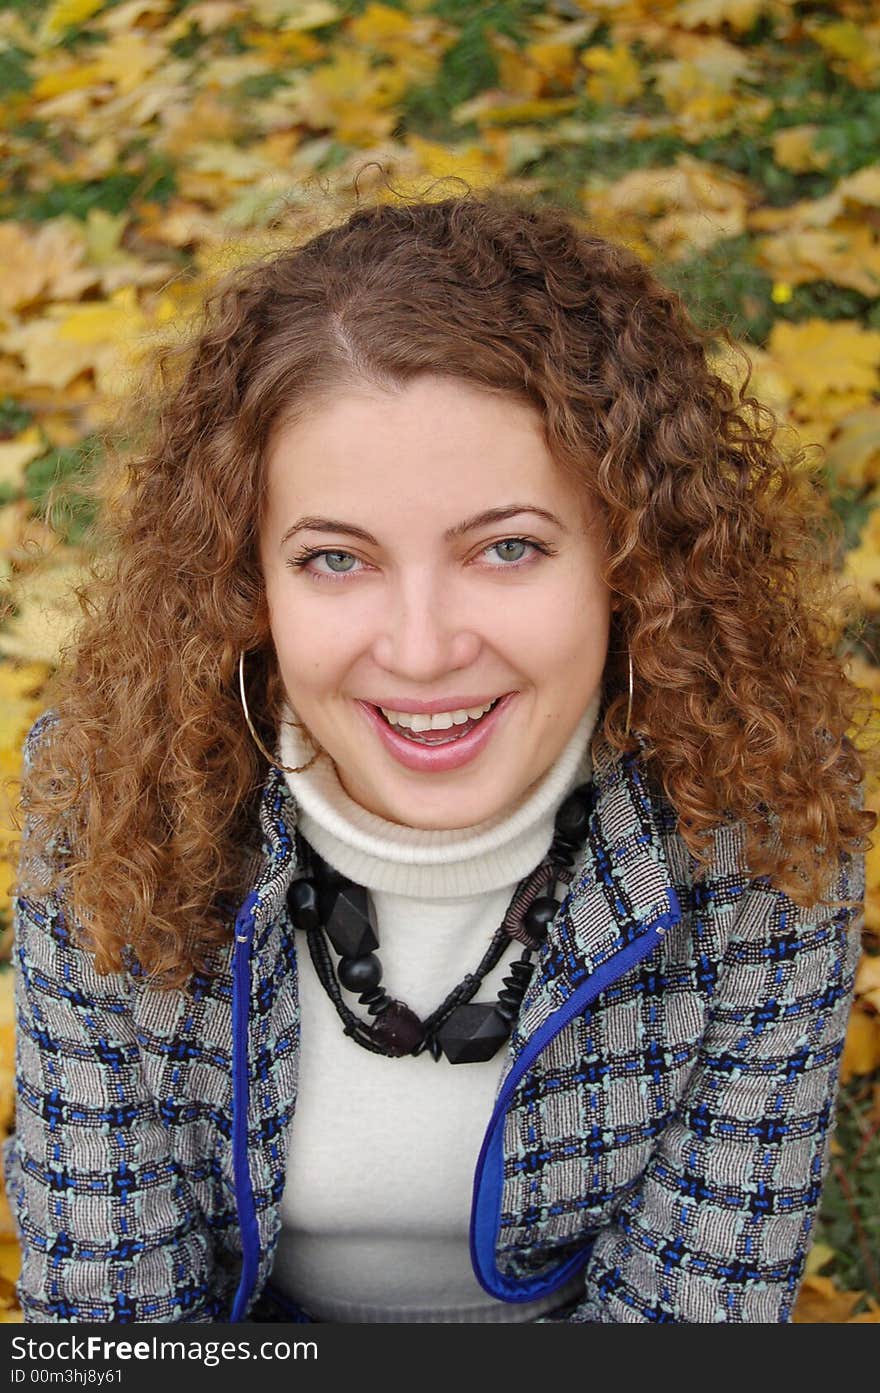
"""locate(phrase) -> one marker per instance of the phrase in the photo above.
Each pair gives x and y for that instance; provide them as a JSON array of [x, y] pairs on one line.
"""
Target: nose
[[423, 632]]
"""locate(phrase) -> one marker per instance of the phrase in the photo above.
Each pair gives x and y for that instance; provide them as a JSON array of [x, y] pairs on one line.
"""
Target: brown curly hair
[[722, 554]]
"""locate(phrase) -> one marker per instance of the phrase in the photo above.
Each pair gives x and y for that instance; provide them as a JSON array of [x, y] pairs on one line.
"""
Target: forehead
[[363, 440]]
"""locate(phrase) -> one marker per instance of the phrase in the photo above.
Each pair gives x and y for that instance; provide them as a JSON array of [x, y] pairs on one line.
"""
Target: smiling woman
[[444, 846], [439, 611]]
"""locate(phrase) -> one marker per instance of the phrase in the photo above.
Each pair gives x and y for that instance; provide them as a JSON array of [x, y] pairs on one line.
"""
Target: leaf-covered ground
[[147, 146]]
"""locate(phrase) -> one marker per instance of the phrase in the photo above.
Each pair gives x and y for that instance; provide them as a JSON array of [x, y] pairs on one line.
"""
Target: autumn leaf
[[861, 1053], [820, 1301], [18, 452], [64, 14], [795, 148], [615, 76]]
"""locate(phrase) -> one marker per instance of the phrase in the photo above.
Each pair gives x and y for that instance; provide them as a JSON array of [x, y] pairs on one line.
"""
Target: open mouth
[[441, 736]]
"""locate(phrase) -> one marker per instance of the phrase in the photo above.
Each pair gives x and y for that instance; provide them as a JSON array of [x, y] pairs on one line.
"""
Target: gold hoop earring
[[629, 705], [288, 769]]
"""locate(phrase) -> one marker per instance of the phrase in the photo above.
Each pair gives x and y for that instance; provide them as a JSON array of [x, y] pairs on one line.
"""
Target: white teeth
[[442, 720]]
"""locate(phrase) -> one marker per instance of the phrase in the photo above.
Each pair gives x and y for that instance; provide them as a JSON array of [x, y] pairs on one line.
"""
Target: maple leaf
[[103, 336], [63, 15], [46, 610], [739, 14], [615, 75], [853, 455], [861, 1054], [795, 148], [830, 366], [692, 204], [18, 452], [42, 263], [846, 254], [821, 1301], [867, 984], [295, 14]]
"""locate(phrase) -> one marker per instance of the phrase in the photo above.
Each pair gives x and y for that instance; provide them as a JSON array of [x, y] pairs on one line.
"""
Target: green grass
[[850, 1214], [51, 484]]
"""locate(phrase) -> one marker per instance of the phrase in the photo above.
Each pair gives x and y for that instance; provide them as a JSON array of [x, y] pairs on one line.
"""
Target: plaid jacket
[[660, 1129]]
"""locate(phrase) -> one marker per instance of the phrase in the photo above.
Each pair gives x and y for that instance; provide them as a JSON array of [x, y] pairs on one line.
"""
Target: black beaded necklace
[[325, 902]]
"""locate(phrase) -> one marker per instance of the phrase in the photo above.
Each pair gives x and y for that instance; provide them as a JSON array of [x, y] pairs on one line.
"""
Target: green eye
[[333, 556], [510, 542]]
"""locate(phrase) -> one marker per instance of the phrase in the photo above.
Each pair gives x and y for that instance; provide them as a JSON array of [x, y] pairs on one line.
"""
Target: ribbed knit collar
[[429, 863]]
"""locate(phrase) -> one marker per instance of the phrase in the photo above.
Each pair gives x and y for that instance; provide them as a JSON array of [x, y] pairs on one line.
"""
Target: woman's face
[[422, 550]]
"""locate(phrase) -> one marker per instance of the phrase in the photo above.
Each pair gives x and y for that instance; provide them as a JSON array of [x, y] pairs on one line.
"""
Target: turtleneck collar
[[430, 863]]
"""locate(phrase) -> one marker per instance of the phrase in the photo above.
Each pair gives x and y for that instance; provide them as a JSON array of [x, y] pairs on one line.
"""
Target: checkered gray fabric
[[668, 1140]]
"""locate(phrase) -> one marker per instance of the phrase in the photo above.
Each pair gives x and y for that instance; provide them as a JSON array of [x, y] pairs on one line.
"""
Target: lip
[[437, 759], [430, 708]]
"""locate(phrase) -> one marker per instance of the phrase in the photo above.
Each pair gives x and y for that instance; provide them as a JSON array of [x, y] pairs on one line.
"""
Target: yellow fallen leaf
[[496, 107], [19, 681], [867, 984], [817, 1257], [824, 359], [129, 13], [739, 14], [208, 16], [809, 212], [295, 14], [106, 337], [615, 76], [821, 1302], [378, 26], [853, 455], [129, 59], [846, 253], [679, 208], [47, 609], [10, 1261], [554, 59], [863, 187], [46, 262], [794, 148], [471, 162], [15, 454], [64, 75], [852, 45], [64, 14], [861, 1053]]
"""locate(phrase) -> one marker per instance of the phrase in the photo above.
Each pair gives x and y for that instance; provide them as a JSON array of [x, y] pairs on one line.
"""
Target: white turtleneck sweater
[[377, 1200]]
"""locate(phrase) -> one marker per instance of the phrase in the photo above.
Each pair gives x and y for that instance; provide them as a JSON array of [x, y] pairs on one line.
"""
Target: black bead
[[348, 925], [573, 817], [539, 916], [376, 1000], [358, 974], [398, 1029], [510, 997], [521, 972], [473, 1033], [302, 901]]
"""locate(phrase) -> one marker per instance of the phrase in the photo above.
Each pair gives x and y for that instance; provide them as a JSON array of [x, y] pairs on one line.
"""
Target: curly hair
[[722, 552]]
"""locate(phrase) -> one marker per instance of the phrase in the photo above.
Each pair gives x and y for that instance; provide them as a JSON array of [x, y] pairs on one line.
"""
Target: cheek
[[314, 656]]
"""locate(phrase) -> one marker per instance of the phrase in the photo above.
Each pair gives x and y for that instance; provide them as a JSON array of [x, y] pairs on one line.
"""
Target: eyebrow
[[484, 519]]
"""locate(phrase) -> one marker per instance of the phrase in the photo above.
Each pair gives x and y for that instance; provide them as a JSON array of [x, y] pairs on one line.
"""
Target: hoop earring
[[288, 769], [629, 704]]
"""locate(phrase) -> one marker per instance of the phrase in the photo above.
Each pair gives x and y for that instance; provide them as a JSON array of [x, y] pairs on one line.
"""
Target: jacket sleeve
[[105, 1219], [719, 1227]]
